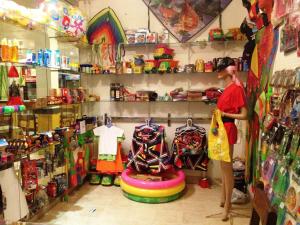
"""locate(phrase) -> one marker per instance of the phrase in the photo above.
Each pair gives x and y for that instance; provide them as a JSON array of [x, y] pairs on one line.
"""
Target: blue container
[[47, 57], [40, 59]]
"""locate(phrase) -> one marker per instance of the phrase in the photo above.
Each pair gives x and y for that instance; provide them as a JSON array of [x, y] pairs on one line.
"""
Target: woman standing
[[232, 104]]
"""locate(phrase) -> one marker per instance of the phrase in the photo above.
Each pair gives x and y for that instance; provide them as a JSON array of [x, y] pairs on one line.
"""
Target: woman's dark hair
[[223, 63]]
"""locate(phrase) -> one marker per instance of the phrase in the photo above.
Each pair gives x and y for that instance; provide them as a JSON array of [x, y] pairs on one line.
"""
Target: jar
[[117, 92], [112, 92]]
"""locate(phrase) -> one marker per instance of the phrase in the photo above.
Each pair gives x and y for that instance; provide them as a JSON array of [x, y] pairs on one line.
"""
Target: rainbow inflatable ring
[[153, 191]]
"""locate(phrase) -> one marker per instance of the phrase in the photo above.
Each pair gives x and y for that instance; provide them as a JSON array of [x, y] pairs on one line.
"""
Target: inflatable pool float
[[149, 190]]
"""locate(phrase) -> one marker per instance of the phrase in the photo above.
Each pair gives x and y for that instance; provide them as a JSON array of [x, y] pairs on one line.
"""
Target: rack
[[155, 74], [167, 120]]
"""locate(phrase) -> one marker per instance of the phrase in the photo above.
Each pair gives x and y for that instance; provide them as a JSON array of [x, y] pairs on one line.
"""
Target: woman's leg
[[223, 193], [229, 184]]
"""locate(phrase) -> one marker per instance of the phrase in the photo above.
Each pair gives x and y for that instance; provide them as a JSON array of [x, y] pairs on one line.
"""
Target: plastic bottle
[[4, 50], [47, 57], [57, 58], [40, 60], [10, 50], [15, 50]]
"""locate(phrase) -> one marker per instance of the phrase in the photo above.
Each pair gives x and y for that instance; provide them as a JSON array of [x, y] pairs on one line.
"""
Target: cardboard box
[[140, 38], [151, 37]]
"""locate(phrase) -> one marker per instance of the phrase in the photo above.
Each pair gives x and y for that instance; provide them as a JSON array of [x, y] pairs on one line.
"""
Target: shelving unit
[[33, 38]]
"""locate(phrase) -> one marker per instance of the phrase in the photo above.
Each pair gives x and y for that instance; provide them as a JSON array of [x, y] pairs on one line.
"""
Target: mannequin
[[232, 104]]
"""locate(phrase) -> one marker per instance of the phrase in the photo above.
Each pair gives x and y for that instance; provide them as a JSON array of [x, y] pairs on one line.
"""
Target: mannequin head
[[226, 68]]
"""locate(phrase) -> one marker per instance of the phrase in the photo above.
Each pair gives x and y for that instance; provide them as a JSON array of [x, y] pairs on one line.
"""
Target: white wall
[[286, 61], [133, 15]]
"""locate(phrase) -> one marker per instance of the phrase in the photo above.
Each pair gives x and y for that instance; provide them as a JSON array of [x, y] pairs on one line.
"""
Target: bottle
[[15, 50], [40, 59], [117, 97], [57, 58], [122, 92], [47, 57], [9, 50], [4, 50], [112, 92]]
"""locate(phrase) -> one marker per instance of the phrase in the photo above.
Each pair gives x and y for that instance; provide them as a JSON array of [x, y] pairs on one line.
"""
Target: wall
[[285, 61], [133, 14]]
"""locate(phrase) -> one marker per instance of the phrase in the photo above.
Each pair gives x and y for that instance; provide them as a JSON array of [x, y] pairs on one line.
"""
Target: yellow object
[[48, 122], [137, 69], [152, 192], [254, 62], [218, 146]]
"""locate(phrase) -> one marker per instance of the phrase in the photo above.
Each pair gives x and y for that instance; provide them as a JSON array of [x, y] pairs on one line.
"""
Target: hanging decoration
[[262, 59], [186, 18], [105, 27], [53, 13]]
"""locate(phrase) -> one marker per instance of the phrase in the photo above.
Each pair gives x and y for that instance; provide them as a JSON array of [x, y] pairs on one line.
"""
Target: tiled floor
[[98, 205]]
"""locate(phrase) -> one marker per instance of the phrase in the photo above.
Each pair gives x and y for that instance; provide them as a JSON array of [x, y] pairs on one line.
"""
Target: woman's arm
[[240, 116]]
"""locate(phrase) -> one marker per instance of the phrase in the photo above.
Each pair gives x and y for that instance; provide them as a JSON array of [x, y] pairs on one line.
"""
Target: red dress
[[231, 101]]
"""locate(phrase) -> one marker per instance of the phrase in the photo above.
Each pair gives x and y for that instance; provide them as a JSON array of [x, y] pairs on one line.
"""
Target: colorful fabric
[[111, 167], [188, 147], [149, 151], [3, 83]]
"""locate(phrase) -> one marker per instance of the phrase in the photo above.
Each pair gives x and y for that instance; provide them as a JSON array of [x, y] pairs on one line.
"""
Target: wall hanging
[[105, 27], [186, 18]]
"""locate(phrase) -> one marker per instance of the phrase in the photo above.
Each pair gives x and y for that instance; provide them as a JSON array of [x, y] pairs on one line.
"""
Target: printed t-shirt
[[108, 141], [231, 101]]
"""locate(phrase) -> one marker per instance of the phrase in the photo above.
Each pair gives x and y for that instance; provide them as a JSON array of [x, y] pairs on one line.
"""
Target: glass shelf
[[202, 43], [181, 101], [155, 74], [30, 25], [58, 69]]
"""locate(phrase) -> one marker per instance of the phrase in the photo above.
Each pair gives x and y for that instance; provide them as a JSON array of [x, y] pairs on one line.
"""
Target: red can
[[52, 189]]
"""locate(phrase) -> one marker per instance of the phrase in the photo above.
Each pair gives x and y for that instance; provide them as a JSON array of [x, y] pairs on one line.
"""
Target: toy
[[234, 34], [151, 66], [216, 34], [168, 65], [199, 64], [208, 67], [189, 68], [151, 37], [151, 190], [140, 38], [163, 52], [138, 64]]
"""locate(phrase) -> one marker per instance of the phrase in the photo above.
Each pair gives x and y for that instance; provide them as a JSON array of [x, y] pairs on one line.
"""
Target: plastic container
[[4, 50]]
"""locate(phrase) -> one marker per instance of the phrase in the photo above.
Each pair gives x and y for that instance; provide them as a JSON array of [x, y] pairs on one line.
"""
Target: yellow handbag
[[218, 146]]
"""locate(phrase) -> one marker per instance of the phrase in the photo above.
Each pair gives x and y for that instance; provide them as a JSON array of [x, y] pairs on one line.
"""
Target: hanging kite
[[105, 32], [105, 27]]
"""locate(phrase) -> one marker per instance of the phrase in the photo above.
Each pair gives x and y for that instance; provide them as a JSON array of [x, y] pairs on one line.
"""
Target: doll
[[14, 94]]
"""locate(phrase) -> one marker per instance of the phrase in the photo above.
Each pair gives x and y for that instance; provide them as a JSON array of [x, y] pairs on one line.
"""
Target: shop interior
[[109, 107]]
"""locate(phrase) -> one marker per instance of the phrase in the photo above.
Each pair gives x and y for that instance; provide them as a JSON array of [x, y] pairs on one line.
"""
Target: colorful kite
[[105, 27]]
